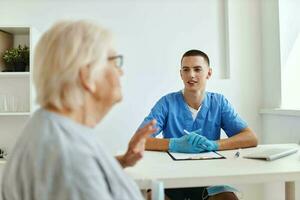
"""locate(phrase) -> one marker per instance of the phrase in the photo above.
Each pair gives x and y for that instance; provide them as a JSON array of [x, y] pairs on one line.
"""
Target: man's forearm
[[246, 138], [157, 144]]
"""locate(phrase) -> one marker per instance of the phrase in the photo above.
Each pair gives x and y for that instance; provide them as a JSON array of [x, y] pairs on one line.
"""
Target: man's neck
[[193, 98]]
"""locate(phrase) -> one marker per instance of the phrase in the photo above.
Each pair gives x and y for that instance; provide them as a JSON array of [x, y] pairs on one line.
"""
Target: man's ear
[[180, 74], [209, 73], [85, 80]]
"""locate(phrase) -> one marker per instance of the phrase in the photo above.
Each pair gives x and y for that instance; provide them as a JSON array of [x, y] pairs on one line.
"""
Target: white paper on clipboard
[[195, 156]]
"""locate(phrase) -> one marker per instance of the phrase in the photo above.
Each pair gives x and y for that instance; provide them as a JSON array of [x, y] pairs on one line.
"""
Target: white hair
[[60, 54]]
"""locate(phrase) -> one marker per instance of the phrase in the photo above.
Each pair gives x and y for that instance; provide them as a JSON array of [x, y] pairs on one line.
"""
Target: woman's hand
[[136, 146]]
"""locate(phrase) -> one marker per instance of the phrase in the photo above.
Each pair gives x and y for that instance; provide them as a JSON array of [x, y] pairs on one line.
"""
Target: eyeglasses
[[118, 60]]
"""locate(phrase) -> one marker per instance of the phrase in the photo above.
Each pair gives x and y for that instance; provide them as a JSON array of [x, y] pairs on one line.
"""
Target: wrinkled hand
[[185, 144], [202, 141], [136, 146]]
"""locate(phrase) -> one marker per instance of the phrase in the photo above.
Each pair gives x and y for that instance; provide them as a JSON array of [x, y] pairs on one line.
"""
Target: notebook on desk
[[195, 156], [271, 153]]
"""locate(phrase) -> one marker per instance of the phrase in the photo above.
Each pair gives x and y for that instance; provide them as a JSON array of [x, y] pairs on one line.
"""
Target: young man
[[201, 113]]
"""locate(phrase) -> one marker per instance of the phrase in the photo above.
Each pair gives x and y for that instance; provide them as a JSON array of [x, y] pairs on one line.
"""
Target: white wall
[[277, 128], [290, 50], [152, 35], [289, 26]]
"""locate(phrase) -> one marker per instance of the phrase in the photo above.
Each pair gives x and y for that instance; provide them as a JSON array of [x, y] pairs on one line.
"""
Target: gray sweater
[[56, 158]]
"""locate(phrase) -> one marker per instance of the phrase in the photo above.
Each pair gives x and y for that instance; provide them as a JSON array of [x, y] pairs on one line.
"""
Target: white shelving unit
[[17, 84], [15, 87]]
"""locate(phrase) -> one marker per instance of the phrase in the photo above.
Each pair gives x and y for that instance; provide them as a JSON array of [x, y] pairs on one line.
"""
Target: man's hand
[[199, 140], [136, 146], [185, 144]]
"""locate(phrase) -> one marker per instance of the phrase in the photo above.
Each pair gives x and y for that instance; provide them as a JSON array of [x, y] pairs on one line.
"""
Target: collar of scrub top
[[189, 121], [204, 106]]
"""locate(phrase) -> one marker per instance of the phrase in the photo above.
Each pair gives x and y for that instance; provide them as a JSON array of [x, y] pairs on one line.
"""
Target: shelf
[[15, 113], [14, 74], [16, 30], [3, 161], [280, 111], [16, 88]]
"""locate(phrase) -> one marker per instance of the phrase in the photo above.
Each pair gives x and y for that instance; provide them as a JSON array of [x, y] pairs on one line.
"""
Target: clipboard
[[195, 156]]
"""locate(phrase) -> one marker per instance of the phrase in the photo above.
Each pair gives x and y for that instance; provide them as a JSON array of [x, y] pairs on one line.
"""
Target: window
[[289, 19]]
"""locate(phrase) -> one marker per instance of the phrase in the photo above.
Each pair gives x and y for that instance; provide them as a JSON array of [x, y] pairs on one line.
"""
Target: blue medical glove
[[183, 145], [203, 142]]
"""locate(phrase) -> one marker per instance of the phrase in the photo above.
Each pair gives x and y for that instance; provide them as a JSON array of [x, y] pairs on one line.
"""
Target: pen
[[237, 154], [202, 145]]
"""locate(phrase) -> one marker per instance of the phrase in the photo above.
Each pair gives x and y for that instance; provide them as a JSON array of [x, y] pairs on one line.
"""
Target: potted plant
[[16, 59]]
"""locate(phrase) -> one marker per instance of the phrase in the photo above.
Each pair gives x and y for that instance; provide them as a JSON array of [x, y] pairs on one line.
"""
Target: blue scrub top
[[173, 116]]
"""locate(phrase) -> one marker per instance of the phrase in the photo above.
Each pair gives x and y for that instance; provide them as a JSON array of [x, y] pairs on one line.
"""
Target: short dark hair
[[195, 52]]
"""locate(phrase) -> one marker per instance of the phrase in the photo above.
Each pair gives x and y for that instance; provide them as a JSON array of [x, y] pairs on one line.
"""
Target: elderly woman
[[76, 75]]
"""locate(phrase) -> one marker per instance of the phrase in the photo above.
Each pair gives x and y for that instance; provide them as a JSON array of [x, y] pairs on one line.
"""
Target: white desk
[[177, 174]]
